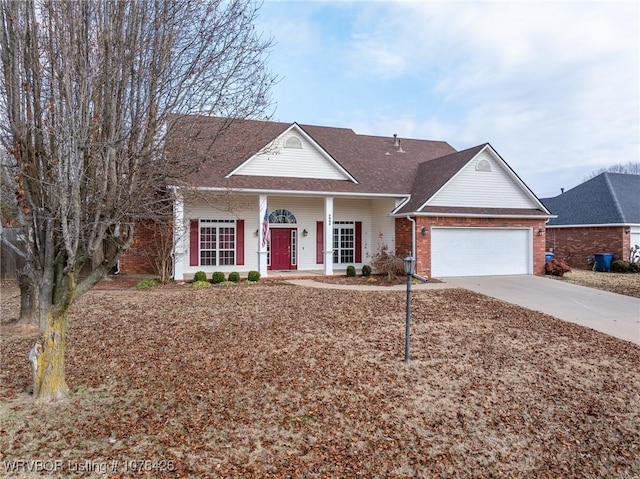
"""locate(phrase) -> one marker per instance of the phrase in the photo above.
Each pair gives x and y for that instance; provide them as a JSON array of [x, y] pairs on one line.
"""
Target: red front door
[[280, 248]]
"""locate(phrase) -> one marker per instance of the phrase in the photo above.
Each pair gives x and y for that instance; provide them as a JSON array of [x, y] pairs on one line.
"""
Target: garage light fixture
[[424, 231], [540, 231]]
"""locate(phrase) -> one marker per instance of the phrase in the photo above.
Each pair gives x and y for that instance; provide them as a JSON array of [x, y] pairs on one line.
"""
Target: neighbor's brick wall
[[147, 242], [423, 242], [577, 244]]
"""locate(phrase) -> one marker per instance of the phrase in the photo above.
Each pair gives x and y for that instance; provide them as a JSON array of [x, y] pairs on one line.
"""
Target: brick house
[[334, 198], [601, 215]]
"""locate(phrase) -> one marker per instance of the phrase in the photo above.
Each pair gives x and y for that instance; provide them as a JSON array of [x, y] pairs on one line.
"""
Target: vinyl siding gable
[[293, 155], [486, 182]]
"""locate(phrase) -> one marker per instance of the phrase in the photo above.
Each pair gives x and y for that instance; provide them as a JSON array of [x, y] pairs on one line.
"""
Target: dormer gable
[[485, 180], [293, 154]]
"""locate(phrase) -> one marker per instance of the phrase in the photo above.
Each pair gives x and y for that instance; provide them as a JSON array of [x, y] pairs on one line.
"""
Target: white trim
[[262, 250], [603, 225], [179, 231], [307, 137], [328, 235], [293, 192], [473, 215]]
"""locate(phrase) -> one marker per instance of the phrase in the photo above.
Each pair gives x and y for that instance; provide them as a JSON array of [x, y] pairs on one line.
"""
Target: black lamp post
[[409, 265]]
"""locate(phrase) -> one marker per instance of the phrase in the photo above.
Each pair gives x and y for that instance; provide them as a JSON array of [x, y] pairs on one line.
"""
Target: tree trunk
[[47, 359], [27, 299]]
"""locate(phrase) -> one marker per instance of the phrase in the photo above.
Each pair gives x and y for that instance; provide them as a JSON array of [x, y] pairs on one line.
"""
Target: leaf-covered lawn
[[621, 283], [274, 380]]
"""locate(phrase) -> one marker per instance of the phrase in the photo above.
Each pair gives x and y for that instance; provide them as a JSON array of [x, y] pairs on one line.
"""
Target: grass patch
[[147, 283]]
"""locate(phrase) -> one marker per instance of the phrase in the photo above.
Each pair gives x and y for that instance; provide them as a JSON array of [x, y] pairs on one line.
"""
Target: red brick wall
[[147, 242], [577, 244], [423, 242]]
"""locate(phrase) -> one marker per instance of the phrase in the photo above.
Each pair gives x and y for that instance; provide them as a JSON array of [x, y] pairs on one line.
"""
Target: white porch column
[[328, 235], [262, 250], [179, 248]]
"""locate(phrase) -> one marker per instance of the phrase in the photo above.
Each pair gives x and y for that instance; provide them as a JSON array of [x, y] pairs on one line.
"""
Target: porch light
[[256, 234], [409, 265], [305, 233], [424, 231]]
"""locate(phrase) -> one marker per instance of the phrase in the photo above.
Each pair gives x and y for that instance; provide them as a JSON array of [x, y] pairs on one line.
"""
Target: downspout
[[413, 248], [413, 236]]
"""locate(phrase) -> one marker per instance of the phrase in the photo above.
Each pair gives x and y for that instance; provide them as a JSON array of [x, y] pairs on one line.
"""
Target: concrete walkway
[[609, 313]]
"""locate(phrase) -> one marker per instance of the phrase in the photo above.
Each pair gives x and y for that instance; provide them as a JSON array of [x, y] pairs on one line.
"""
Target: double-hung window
[[217, 242], [344, 242]]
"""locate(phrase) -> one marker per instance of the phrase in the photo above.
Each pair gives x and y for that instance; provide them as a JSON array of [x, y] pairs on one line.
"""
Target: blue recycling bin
[[549, 257], [603, 261]]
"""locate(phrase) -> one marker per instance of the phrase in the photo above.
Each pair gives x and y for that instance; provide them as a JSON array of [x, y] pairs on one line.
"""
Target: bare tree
[[88, 92], [630, 168]]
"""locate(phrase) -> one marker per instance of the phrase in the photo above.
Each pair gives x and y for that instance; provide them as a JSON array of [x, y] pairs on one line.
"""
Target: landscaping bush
[[199, 276], [366, 270], [620, 266], [351, 271], [200, 284], [388, 263], [217, 277], [234, 277], [557, 267], [147, 283], [253, 276]]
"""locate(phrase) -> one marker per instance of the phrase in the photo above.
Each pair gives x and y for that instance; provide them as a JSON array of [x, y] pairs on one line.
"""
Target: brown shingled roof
[[218, 147], [432, 176]]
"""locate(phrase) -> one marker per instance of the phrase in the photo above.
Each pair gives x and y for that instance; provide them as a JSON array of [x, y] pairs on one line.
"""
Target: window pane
[[217, 242], [208, 258]]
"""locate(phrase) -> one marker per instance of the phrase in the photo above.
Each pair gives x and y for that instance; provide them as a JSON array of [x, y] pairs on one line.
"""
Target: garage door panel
[[480, 251]]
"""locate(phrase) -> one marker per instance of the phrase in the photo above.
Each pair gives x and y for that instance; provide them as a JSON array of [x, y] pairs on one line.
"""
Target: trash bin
[[603, 261], [549, 257]]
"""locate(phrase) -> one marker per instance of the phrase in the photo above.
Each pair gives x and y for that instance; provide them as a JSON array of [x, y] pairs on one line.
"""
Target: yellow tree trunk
[[47, 360]]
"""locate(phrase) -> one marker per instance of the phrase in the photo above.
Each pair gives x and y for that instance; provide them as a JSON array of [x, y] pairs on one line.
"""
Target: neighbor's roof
[[609, 198]]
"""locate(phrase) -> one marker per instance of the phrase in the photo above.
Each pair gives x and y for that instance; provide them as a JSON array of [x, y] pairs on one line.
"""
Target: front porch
[[307, 235]]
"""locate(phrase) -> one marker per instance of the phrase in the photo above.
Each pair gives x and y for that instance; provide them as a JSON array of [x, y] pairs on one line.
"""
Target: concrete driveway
[[610, 313]]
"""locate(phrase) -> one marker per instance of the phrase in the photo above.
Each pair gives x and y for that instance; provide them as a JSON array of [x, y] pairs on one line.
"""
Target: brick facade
[[576, 245], [149, 239], [423, 242]]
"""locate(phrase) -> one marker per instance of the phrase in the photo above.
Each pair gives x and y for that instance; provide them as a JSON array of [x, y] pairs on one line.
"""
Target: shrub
[[253, 276], [200, 284], [366, 270], [217, 277], [620, 266], [557, 267], [387, 263], [234, 277], [147, 283], [351, 271], [200, 276]]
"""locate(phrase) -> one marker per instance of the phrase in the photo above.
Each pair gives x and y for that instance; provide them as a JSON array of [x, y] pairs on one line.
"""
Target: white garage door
[[480, 252]]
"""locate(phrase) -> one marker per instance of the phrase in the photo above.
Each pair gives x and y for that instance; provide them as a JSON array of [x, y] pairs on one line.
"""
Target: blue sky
[[553, 86]]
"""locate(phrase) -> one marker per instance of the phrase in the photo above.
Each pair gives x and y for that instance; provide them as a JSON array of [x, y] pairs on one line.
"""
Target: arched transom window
[[282, 217]]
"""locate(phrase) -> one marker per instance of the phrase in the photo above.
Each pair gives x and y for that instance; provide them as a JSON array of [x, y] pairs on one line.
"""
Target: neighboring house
[[601, 215], [334, 198]]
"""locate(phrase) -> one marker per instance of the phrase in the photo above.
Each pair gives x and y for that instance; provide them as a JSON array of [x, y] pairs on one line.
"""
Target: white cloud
[[553, 86]]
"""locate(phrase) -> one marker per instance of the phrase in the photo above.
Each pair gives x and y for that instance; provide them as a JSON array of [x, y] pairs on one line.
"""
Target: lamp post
[[409, 265]]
